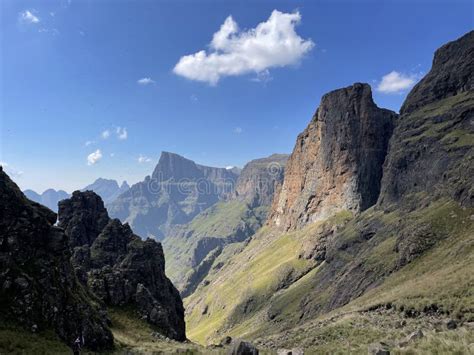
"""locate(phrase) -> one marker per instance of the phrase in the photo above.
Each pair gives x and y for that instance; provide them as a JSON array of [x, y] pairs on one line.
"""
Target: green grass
[[222, 220], [16, 340], [442, 276], [133, 336], [258, 271], [430, 122]]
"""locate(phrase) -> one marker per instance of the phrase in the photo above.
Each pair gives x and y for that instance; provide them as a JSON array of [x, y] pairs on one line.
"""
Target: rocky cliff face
[[177, 191], [431, 152], [409, 256], [117, 266], [450, 74], [337, 161], [39, 288], [259, 178]]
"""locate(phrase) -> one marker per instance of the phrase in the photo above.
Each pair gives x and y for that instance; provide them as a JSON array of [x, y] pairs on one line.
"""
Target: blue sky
[[72, 70]]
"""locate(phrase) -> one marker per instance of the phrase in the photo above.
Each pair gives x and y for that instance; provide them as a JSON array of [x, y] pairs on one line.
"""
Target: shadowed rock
[[119, 267], [39, 288]]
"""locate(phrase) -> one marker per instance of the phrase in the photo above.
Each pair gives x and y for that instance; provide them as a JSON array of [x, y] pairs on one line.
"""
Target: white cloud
[[396, 82], [271, 44], [105, 134], [143, 159], [28, 17], [238, 130], [14, 173], [145, 81], [88, 143], [112, 155], [230, 167], [94, 157], [122, 133]]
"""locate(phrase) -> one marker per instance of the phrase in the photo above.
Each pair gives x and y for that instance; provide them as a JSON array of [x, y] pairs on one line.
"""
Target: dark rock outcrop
[[177, 191], [431, 153], [240, 347], [450, 74], [337, 161], [39, 288], [119, 267]]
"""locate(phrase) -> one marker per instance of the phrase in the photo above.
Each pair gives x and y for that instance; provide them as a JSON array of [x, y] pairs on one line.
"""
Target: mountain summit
[[337, 161], [176, 192]]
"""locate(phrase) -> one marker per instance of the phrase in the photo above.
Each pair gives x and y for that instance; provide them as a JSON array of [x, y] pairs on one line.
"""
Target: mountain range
[[177, 191], [361, 240], [108, 189]]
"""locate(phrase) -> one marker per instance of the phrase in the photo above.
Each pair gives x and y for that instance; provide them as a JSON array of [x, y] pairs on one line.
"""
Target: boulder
[[240, 347]]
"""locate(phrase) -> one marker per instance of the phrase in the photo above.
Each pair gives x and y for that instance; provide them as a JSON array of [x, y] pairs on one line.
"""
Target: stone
[[294, 351], [240, 347], [227, 340], [451, 324], [378, 349]]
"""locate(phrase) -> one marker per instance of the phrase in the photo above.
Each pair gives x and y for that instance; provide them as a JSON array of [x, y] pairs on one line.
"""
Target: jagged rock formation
[[337, 161], [177, 191], [194, 248], [48, 198], [39, 289], [259, 178], [117, 266], [107, 189]]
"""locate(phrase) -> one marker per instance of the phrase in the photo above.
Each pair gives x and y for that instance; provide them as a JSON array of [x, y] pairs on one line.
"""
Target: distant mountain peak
[[107, 189]]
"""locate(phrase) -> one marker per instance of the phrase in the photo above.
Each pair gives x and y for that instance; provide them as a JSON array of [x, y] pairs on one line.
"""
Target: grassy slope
[[246, 283], [442, 276], [219, 221], [17, 340], [243, 299]]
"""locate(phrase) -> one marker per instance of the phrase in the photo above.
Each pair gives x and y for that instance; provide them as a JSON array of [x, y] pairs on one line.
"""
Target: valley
[[360, 240]]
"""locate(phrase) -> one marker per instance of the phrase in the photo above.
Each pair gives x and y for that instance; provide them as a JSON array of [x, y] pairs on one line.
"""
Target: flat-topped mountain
[[177, 191], [337, 161]]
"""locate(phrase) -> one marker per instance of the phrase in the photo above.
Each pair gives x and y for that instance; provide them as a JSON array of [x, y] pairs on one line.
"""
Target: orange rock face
[[337, 161]]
